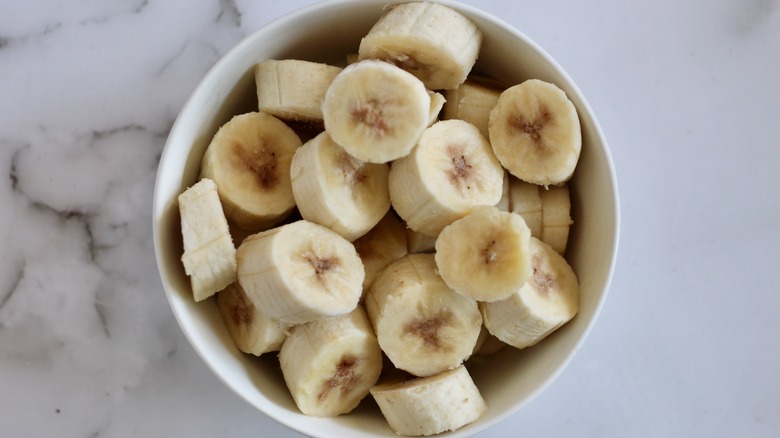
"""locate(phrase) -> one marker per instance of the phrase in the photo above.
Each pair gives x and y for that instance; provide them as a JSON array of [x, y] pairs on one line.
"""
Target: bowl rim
[[212, 76]]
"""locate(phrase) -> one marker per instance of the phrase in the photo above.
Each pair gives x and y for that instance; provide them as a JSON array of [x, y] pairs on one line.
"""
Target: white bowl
[[326, 32]]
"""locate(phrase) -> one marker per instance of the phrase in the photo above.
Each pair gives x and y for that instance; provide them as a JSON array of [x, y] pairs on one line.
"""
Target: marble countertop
[[687, 94]]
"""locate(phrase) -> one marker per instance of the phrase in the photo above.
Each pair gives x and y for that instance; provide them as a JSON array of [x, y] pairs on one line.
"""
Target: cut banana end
[[293, 90], [430, 405], [249, 160], [556, 217], [485, 255], [209, 255], [380, 246], [451, 170], [535, 133], [549, 299], [471, 102], [524, 199], [251, 330], [334, 189], [376, 111], [300, 272], [330, 365], [423, 326], [433, 42]]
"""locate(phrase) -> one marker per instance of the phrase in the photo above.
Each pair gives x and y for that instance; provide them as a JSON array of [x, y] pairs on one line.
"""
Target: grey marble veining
[[686, 93]]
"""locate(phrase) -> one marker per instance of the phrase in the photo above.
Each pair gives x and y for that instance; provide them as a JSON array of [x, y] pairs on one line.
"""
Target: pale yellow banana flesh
[[433, 42], [209, 255], [300, 272], [430, 405], [471, 102], [251, 330], [249, 160], [451, 170], [547, 212], [422, 325], [535, 133], [380, 246], [292, 89], [485, 255], [336, 190], [549, 299], [329, 365], [376, 111]]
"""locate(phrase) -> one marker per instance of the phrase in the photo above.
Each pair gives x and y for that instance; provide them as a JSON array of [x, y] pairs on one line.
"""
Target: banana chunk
[[471, 102], [251, 330], [331, 364], [430, 405], [485, 255], [535, 133], [376, 111], [432, 41], [209, 255], [249, 160], [380, 246], [549, 299], [556, 217], [422, 325], [300, 272], [292, 89], [451, 170], [334, 189]]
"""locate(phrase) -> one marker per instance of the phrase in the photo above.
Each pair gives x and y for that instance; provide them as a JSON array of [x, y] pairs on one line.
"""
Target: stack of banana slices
[[390, 237]]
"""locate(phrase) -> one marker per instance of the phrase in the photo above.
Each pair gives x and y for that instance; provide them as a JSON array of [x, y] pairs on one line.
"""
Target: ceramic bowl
[[326, 32]]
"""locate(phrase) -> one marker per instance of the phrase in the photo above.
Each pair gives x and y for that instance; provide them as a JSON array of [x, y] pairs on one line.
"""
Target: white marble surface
[[687, 93]]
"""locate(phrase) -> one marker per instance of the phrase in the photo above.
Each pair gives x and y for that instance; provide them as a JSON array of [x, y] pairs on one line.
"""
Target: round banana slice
[[300, 272], [549, 299], [430, 405], [376, 111], [535, 133], [251, 330], [485, 255], [431, 41], [422, 325], [329, 365], [249, 160], [451, 170], [334, 189]]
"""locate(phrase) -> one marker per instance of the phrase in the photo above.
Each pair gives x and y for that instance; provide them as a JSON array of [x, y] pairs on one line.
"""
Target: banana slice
[[556, 218], [505, 202], [549, 299], [334, 189], [209, 255], [292, 89], [423, 326], [451, 170], [300, 272], [249, 160], [376, 111], [535, 133], [430, 405], [330, 365], [251, 330], [471, 102], [380, 246], [524, 199], [433, 42], [419, 242], [485, 255], [437, 102]]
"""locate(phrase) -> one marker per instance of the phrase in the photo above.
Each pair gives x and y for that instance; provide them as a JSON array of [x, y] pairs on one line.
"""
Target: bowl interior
[[326, 32]]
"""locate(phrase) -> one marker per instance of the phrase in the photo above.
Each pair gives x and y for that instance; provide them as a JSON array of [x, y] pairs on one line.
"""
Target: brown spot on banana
[[353, 169], [489, 252], [532, 126], [261, 162], [370, 114], [543, 280], [427, 329], [343, 378], [241, 313], [462, 171]]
